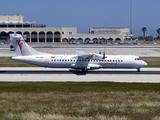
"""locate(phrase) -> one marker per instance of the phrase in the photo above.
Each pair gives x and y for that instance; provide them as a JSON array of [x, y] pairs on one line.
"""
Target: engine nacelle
[[93, 66], [97, 57]]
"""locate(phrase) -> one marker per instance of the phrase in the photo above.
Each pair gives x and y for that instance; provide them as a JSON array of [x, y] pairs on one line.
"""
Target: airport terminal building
[[40, 33]]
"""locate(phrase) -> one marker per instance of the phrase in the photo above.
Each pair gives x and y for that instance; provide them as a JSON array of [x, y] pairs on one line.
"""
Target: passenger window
[[121, 60], [110, 60], [54, 59], [118, 60], [115, 60]]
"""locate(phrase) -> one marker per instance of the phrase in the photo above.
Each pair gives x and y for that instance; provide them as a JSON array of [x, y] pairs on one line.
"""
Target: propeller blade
[[104, 54]]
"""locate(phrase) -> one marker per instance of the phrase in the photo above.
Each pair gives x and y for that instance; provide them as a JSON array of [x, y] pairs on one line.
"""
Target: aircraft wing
[[84, 55]]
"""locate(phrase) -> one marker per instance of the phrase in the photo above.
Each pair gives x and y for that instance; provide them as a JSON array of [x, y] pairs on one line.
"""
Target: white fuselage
[[76, 62], [82, 60]]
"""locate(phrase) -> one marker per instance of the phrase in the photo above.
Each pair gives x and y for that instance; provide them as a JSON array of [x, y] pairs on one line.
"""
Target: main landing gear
[[138, 69], [85, 70]]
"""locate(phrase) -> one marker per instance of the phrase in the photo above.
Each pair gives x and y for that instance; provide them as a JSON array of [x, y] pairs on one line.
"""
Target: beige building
[[41, 33], [11, 19]]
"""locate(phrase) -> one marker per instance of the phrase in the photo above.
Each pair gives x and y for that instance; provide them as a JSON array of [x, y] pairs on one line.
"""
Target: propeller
[[104, 54]]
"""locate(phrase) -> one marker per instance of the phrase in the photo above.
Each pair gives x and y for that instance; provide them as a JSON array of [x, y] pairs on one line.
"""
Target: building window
[[62, 32], [70, 32], [11, 26], [92, 32], [18, 26], [3, 25]]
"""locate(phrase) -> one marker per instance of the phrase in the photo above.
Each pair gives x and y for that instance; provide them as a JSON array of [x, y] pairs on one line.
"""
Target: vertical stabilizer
[[19, 45], [21, 48]]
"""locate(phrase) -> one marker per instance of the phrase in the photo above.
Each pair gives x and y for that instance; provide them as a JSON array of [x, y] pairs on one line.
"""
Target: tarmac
[[149, 50], [39, 74]]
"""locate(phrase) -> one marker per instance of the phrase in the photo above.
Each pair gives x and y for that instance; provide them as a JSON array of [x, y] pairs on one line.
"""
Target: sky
[[85, 14]]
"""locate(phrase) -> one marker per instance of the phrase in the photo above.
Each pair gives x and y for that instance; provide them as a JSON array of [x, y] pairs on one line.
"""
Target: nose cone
[[144, 63]]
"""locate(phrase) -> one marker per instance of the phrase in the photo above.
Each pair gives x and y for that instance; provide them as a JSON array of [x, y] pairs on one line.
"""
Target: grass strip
[[76, 87], [80, 106], [128, 105], [6, 62], [152, 61]]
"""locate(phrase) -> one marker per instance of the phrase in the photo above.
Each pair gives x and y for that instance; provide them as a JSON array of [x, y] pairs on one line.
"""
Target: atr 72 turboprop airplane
[[82, 60]]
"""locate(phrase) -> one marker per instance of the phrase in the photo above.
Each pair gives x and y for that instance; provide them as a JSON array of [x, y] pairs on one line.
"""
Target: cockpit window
[[137, 58]]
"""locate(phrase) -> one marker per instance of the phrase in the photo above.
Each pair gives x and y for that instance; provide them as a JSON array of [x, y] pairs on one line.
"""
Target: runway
[[39, 74]]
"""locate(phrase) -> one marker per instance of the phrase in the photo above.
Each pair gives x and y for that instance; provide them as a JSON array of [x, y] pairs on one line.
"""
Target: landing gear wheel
[[138, 69], [85, 70]]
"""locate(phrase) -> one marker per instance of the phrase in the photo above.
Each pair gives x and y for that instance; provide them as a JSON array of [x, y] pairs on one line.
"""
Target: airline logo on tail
[[23, 48]]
